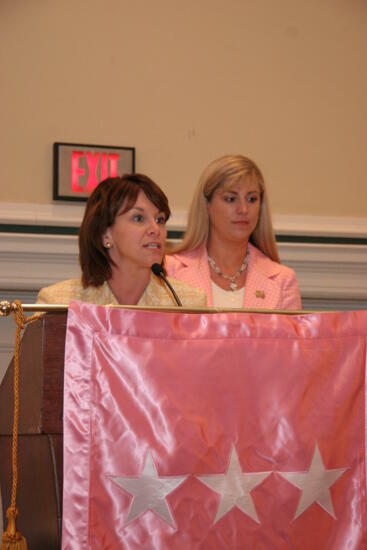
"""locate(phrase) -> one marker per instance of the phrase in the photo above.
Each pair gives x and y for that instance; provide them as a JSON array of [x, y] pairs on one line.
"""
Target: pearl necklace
[[232, 279]]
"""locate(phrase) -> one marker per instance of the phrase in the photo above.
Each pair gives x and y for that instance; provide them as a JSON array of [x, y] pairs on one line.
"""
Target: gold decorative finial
[[6, 308]]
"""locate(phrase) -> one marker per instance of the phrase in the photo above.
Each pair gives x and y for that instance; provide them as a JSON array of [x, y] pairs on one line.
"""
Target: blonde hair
[[220, 172]]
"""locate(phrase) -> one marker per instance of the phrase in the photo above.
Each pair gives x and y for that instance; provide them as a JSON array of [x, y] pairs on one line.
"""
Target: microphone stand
[[159, 272]]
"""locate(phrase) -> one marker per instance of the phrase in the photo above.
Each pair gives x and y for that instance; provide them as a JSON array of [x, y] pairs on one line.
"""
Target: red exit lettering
[[106, 162]]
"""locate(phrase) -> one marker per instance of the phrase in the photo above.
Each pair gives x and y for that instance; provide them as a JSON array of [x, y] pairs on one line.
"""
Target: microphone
[[159, 272]]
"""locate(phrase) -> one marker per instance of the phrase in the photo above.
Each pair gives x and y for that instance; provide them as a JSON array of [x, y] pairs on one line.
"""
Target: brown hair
[[100, 213], [220, 172]]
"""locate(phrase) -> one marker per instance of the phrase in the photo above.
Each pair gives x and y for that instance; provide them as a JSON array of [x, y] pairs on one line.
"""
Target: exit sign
[[78, 168]]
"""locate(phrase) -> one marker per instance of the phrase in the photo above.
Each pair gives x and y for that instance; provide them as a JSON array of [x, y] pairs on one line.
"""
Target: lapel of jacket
[[156, 294], [261, 291], [100, 295]]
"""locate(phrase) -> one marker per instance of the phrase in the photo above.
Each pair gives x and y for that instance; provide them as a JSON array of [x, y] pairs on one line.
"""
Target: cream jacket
[[155, 294]]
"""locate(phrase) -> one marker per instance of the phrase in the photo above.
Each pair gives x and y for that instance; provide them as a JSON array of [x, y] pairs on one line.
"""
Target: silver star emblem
[[234, 487], [314, 484], [149, 491]]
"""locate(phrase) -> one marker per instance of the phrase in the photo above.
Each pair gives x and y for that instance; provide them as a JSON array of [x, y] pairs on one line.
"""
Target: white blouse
[[227, 298]]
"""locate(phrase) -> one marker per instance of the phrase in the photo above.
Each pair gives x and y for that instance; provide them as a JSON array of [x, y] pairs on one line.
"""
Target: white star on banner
[[149, 491], [314, 484], [234, 487]]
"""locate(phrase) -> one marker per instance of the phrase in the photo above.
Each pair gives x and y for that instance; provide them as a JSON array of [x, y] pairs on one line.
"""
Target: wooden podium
[[40, 442]]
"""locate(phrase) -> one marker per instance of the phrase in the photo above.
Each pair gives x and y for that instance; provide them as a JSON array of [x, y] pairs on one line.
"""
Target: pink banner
[[214, 431]]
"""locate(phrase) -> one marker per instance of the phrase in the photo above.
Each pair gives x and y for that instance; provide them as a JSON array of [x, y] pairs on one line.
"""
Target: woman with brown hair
[[229, 248], [122, 235]]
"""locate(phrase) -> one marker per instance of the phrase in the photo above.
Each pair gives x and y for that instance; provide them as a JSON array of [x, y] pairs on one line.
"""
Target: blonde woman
[[229, 248]]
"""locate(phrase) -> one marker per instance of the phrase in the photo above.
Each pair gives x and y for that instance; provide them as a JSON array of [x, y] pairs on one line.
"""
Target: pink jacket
[[269, 285]]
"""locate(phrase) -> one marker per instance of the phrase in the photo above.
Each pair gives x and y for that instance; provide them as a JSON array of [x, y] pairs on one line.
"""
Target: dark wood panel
[[37, 501], [30, 385], [41, 379], [54, 330]]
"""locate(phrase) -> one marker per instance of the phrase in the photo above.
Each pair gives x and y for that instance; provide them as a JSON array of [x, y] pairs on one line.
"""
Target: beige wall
[[283, 81]]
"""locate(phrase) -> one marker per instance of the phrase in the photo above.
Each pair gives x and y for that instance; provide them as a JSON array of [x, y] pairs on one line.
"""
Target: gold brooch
[[260, 294]]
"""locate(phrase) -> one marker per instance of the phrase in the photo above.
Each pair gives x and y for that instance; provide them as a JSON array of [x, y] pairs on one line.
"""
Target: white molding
[[328, 271], [320, 226], [177, 221], [325, 271], [61, 215], [64, 215], [8, 326], [70, 215], [29, 262], [330, 276]]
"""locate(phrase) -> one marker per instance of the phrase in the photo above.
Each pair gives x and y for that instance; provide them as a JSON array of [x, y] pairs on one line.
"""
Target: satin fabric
[[188, 388]]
